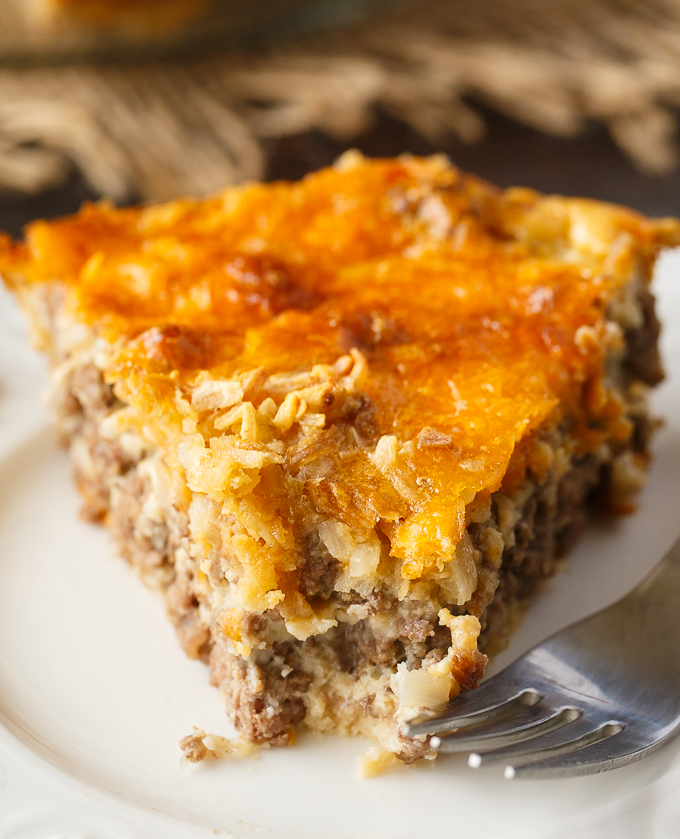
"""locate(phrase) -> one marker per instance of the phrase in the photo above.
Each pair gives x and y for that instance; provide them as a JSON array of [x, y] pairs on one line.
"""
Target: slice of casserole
[[347, 425]]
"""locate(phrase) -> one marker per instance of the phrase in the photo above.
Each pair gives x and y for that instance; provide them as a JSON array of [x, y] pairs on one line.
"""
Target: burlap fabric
[[188, 127]]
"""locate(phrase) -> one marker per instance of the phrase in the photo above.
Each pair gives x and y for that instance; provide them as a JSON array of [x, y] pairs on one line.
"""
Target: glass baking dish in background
[[47, 31]]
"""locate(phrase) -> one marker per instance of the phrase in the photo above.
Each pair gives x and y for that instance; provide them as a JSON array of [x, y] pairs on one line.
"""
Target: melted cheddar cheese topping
[[480, 314]]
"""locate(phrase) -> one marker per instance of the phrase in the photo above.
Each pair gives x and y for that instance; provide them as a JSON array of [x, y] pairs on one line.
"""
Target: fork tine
[[510, 729], [554, 742], [612, 748], [492, 699]]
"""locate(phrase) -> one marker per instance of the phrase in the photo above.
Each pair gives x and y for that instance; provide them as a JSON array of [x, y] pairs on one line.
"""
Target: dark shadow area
[[17, 209]]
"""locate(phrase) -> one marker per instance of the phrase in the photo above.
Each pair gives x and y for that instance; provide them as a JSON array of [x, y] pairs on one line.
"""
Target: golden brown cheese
[[478, 316]]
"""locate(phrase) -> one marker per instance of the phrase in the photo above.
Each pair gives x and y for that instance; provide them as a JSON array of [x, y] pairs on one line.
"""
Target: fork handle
[[640, 633]]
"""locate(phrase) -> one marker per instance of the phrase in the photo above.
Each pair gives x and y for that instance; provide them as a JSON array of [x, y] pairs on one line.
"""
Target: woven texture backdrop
[[168, 128]]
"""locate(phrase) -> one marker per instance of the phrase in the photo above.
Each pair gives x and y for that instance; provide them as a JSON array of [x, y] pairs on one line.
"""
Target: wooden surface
[[511, 154]]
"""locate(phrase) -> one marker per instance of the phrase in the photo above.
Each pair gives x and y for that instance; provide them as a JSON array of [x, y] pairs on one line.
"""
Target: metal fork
[[600, 694]]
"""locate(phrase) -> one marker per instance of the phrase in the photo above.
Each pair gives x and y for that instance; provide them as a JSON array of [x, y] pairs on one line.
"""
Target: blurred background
[[137, 100]]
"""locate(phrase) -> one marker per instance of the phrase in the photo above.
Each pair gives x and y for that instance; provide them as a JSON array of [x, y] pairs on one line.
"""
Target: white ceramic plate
[[95, 692]]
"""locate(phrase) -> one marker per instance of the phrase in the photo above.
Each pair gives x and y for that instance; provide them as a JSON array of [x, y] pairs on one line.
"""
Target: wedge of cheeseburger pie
[[347, 425]]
